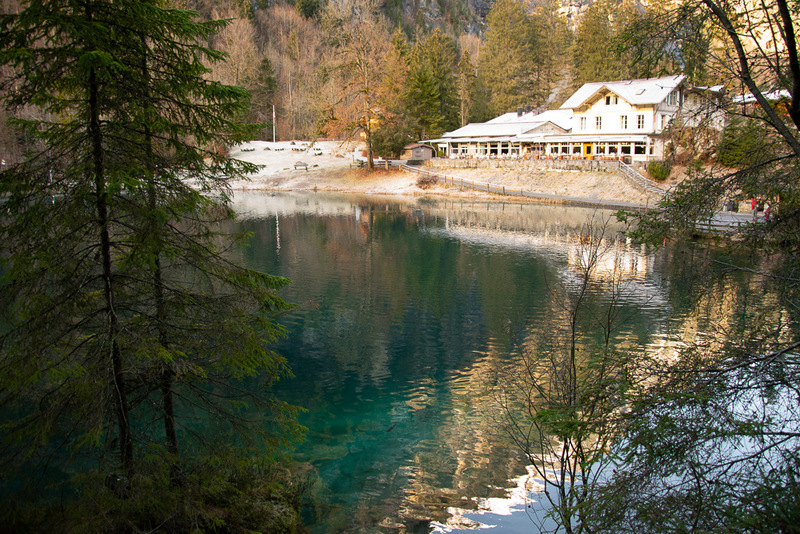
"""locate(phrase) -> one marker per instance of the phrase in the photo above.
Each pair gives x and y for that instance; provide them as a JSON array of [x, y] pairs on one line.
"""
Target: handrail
[[639, 181], [461, 183], [716, 224]]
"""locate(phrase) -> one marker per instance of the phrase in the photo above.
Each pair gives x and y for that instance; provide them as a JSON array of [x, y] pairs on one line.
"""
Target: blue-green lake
[[406, 308]]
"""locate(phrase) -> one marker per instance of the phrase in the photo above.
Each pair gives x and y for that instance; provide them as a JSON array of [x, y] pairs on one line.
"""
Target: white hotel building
[[602, 120]]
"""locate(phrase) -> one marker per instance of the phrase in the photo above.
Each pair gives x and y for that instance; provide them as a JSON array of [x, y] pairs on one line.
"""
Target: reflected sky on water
[[406, 310]]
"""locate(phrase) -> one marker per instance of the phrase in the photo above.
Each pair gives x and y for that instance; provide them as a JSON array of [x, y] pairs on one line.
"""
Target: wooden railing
[[465, 184]]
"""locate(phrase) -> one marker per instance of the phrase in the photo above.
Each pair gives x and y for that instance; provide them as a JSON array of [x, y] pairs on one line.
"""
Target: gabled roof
[[511, 124], [485, 129], [636, 92]]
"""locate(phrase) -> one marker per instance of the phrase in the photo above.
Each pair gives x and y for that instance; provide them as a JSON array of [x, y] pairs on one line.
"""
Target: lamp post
[[273, 123]]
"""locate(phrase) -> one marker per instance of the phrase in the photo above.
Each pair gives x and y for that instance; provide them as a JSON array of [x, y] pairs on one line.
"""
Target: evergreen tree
[[466, 86], [508, 61], [396, 67], [593, 57], [667, 39], [395, 128], [431, 93], [552, 51], [262, 89], [598, 54], [120, 303]]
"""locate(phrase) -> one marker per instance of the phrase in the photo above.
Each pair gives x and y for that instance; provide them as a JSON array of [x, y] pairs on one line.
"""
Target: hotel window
[[598, 123], [623, 122], [639, 148], [640, 121], [673, 99], [583, 123], [611, 100]]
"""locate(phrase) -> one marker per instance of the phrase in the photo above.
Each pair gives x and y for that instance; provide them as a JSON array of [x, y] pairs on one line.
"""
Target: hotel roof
[[636, 92], [513, 124]]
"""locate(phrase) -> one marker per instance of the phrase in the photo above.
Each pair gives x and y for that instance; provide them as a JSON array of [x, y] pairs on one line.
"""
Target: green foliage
[[229, 493], [708, 455], [773, 506], [263, 87], [431, 98], [711, 442], [466, 86], [309, 8], [599, 54], [742, 143], [391, 137], [659, 170], [125, 322], [666, 39], [508, 61]]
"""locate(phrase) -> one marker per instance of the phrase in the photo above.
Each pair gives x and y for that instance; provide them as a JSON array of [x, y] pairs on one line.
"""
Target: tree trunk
[[101, 207], [167, 373]]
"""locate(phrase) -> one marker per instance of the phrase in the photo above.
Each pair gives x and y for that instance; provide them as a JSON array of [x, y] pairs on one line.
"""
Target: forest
[[397, 74]]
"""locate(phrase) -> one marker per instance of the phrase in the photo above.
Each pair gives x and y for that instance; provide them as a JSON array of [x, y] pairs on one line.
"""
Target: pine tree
[[119, 300], [508, 59], [396, 128], [598, 53], [553, 46], [431, 97], [466, 86]]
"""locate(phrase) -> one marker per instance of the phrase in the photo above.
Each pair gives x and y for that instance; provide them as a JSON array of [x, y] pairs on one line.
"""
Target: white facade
[[509, 135], [602, 120], [624, 118]]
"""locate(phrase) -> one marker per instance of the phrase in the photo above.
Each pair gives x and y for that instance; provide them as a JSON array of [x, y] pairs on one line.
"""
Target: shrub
[[426, 180], [659, 170]]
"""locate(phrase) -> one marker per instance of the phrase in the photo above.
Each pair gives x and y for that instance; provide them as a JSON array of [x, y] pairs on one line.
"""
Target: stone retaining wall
[[525, 164]]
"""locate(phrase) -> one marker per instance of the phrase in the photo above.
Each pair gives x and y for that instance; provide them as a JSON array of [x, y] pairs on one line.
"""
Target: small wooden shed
[[418, 151]]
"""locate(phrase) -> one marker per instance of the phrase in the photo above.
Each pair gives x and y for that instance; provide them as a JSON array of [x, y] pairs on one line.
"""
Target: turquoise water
[[406, 308]]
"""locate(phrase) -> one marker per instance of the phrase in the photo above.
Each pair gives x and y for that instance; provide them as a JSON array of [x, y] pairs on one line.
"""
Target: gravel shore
[[329, 168]]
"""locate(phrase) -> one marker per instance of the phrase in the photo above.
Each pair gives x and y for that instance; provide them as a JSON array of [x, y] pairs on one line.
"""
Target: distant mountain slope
[[464, 16]]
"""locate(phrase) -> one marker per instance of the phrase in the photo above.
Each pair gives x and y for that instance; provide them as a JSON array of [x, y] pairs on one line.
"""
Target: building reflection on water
[[396, 343]]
